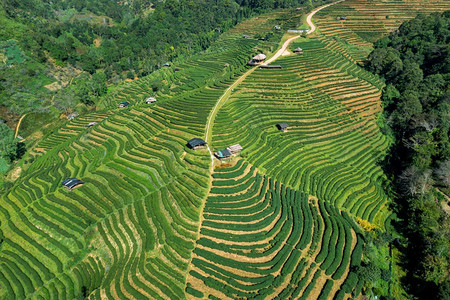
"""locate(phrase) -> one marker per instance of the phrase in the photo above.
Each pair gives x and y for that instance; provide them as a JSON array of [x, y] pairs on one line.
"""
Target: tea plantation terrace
[[131, 231], [271, 67], [260, 238], [154, 223]]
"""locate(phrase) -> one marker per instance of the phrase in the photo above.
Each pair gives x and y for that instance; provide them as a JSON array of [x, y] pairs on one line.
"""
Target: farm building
[[277, 27], [73, 115], [71, 183], [297, 30], [222, 154], [196, 143], [271, 67], [234, 149], [150, 100], [282, 126], [246, 36], [298, 50], [92, 124], [123, 104], [176, 70], [341, 18], [166, 65], [257, 59], [299, 9]]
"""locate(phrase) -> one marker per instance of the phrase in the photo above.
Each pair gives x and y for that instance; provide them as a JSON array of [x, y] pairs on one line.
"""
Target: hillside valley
[[196, 167]]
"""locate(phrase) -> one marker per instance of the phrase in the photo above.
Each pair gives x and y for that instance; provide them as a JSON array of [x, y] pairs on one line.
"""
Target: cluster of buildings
[[198, 143], [149, 100]]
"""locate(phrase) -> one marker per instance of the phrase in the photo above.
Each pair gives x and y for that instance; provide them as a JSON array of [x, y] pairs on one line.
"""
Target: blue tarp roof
[[223, 153]]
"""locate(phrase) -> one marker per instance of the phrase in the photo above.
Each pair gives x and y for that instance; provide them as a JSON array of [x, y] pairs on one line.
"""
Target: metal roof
[[260, 57], [282, 125], [223, 153], [72, 182], [234, 148], [196, 142]]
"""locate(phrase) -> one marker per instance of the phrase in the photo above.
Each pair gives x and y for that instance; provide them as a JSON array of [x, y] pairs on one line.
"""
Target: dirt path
[[288, 41], [18, 125], [228, 91], [226, 95], [309, 17]]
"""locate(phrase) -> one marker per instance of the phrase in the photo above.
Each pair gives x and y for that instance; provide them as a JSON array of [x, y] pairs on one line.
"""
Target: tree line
[[130, 40], [415, 64], [114, 40]]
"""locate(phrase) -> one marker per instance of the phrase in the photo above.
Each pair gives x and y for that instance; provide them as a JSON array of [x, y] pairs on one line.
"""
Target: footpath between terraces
[[226, 95]]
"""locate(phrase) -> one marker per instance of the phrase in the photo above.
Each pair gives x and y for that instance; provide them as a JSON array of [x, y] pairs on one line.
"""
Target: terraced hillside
[[260, 238], [324, 166], [368, 21], [333, 144], [128, 232], [150, 220]]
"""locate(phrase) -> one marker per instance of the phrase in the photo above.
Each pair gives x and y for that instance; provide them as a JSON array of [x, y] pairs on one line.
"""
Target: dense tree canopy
[[10, 149], [117, 39], [415, 63], [138, 37]]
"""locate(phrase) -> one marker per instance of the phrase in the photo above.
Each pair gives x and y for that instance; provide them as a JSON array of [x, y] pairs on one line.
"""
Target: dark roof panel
[[72, 182], [196, 142], [282, 126], [271, 67]]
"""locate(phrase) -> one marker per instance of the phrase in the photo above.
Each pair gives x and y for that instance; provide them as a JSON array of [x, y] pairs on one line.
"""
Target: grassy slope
[[129, 231], [331, 151]]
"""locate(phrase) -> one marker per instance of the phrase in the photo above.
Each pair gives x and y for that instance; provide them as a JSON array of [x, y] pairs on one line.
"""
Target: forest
[[115, 40], [415, 64], [59, 57]]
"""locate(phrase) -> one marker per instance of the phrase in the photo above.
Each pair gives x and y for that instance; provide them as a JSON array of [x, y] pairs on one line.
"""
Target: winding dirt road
[[221, 101], [18, 125], [310, 24]]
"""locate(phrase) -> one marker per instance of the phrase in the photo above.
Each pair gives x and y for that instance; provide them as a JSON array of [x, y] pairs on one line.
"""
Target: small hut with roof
[[71, 183], [124, 104], [298, 50], [257, 59], [223, 154], [235, 149], [150, 100], [282, 126], [196, 143]]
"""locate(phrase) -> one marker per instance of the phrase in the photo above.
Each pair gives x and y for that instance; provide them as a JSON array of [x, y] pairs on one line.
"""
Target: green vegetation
[[138, 212], [328, 101], [301, 214], [42, 42], [10, 149], [367, 21], [414, 63], [260, 238]]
